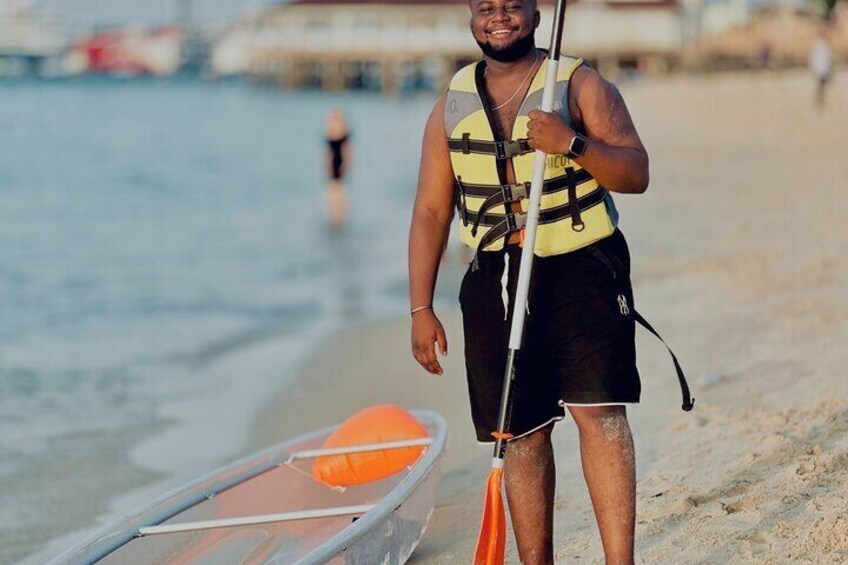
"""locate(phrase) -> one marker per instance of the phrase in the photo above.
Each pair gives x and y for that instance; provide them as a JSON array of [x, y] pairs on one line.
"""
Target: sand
[[738, 252]]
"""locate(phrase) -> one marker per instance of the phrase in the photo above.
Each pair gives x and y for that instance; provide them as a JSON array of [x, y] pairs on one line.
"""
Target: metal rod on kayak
[[311, 453], [254, 520]]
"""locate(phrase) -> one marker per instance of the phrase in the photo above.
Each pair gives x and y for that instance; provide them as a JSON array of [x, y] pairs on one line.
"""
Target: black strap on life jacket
[[548, 216], [509, 223], [616, 266], [571, 182], [550, 186], [504, 224], [460, 199], [508, 194], [500, 150], [505, 194]]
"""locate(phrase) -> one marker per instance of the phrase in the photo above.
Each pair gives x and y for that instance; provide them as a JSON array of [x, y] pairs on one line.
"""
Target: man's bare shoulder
[[437, 114], [600, 108], [435, 129], [588, 86]]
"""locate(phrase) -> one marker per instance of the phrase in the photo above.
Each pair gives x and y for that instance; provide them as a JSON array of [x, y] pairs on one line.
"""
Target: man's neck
[[500, 68]]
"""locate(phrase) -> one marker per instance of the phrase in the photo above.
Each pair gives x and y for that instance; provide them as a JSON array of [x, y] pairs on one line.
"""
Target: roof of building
[[641, 4], [384, 2]]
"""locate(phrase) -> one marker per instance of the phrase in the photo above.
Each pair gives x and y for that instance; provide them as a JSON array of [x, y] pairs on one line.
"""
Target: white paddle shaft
[[526, 267]]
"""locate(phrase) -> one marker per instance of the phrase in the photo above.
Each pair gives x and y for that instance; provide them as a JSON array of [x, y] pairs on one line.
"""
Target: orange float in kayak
[[377, 424]]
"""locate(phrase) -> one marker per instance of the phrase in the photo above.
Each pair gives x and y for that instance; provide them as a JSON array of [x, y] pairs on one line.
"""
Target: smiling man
[[578, 353]]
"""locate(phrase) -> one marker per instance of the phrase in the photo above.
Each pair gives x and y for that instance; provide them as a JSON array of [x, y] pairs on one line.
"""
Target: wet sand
[[738, 250]]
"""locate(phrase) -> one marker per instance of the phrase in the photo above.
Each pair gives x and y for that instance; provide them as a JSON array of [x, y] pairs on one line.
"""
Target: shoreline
[[160, 460]]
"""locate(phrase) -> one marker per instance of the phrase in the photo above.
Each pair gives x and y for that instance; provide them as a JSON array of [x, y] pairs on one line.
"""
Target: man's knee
[[533, 445], [603, 422]]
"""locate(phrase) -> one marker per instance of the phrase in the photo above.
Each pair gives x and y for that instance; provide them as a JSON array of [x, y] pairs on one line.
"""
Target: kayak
[[268, 508]]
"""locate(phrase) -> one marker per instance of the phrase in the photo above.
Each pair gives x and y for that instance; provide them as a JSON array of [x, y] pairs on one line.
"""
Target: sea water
[[164, 259]]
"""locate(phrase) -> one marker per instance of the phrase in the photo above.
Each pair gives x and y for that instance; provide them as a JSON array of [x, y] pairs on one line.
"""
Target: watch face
[[578, 145]]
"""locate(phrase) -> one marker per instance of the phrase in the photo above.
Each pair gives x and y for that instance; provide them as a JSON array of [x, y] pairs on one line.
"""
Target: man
[[578, 350]]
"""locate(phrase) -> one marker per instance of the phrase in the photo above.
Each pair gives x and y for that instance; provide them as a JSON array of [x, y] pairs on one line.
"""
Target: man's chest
[[503, 122]]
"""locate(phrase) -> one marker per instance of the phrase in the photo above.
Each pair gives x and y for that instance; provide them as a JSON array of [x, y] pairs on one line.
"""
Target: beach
[[163, 291], [738, 250]]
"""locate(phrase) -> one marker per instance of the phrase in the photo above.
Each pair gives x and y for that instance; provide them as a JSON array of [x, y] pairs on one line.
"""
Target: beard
[[512, 52]]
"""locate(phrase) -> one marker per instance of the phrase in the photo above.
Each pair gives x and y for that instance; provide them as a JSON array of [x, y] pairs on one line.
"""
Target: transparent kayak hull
[[265, 484]]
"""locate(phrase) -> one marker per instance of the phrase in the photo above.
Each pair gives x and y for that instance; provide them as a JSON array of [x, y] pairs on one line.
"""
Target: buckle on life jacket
[[507, 149], [551, 186], [508, 194], [515, 221], [549, 216], [499, 149], [514, 192]]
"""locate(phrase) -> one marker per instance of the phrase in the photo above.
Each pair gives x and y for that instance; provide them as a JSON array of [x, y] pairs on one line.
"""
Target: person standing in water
[[338, 164]]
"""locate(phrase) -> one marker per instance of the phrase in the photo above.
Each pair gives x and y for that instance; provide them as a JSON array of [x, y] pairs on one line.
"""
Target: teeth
[[500, 32]]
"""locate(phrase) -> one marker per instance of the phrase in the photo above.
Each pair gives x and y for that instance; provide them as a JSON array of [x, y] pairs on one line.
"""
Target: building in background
[[393, 45], [31, 41], [399, 44]]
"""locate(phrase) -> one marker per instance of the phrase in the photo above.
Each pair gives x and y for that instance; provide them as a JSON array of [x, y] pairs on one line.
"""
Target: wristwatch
[[577, 146]]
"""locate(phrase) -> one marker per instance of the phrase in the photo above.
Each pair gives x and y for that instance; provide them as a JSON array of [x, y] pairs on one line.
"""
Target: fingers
[[426, 357], [538, 118], [545, 131], [424, 352], [442, 340], [535, 127], [427, 332]]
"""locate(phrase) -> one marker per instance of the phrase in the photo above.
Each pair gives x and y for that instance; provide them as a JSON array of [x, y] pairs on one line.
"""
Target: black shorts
[[578, 347]]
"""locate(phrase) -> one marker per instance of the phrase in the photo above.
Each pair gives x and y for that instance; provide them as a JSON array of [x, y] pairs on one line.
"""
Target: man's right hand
[[427, 331]]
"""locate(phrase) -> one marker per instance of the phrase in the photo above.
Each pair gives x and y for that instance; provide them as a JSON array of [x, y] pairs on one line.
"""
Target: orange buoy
[[377, 424]]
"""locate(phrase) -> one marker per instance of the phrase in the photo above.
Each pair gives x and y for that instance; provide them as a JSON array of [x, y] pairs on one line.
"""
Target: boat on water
[[268, 508]]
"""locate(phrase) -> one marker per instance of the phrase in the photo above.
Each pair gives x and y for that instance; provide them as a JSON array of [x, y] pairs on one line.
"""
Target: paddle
[[492, 539]]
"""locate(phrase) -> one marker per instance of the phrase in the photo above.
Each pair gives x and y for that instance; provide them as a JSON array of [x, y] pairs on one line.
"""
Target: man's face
[[504, 29]]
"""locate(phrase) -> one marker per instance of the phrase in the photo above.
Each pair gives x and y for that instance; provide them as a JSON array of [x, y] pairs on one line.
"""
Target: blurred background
[[390, 45], [170, 249]]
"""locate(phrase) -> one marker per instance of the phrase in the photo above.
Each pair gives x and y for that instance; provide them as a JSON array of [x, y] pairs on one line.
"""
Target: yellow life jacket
[[575, 211]]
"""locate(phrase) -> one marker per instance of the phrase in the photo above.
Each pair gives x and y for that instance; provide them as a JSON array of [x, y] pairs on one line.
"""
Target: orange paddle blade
[[492, 540]]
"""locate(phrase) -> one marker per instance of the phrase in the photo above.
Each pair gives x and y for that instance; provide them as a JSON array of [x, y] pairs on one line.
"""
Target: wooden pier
[[398, 45]]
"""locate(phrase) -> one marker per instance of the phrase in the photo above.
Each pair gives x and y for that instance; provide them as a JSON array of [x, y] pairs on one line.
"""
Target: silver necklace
[[517, 90]]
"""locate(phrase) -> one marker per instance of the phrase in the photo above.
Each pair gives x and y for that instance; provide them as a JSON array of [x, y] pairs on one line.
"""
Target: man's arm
[[615, 155], [428, 235]]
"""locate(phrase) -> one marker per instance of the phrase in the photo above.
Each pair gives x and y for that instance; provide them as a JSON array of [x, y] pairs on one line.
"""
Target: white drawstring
[[504, 282]]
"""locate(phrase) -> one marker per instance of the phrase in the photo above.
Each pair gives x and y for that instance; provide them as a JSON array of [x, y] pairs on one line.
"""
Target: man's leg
[[530, 481], [609, 465]]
